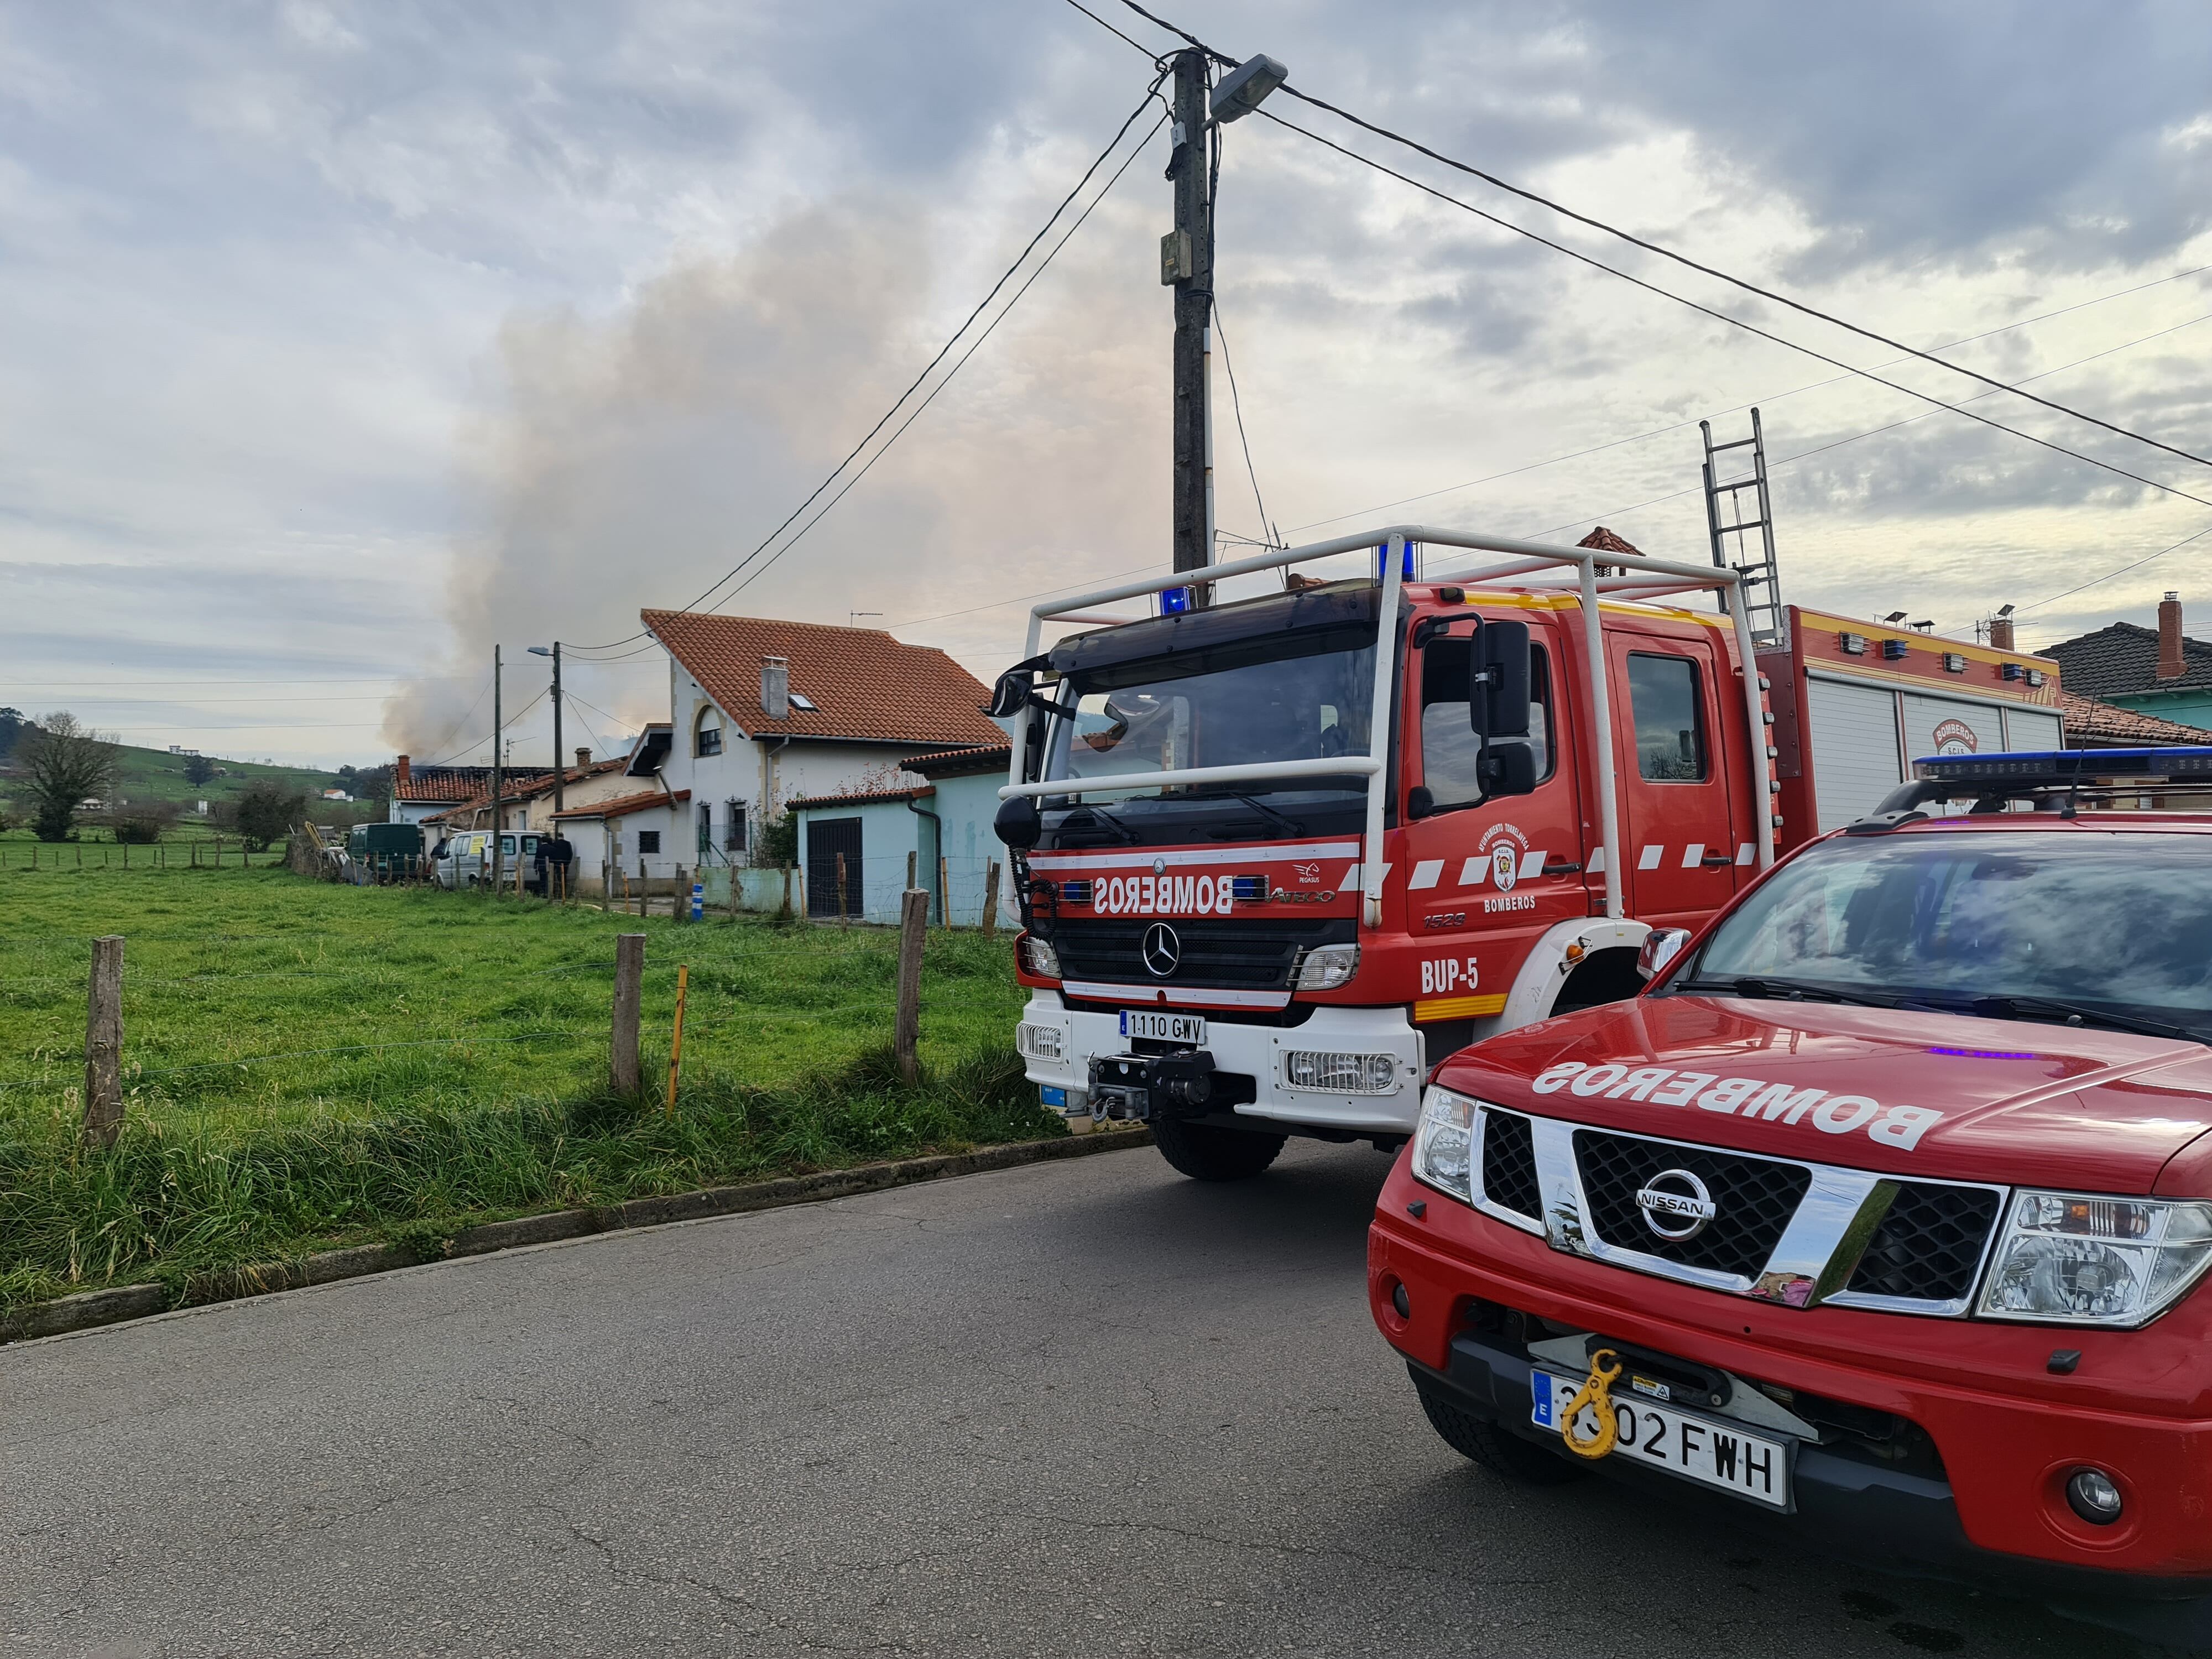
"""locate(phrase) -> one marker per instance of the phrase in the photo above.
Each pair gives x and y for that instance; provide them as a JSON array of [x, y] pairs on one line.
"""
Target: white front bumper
[[1257, 1052]]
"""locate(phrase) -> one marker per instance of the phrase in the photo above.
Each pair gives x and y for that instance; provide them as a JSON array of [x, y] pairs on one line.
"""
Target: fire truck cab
[[1270, 875]]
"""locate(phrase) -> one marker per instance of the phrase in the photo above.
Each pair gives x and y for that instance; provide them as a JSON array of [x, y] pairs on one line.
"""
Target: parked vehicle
[[379, 852], [1293, 909], [1881, 1212], [464, 859]]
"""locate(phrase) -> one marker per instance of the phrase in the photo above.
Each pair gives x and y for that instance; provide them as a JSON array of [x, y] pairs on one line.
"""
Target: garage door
[[833, 867], [2033, 729], [1854, 749], [1951, 725]]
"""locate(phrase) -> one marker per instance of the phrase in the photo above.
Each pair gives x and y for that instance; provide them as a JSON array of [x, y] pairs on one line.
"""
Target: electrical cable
[[1735, 409], [1734, 322], [1236, 404], [2069, 593], [943, 351], [1006, 311], [453, 730], [1110, 29], [1649, 247]]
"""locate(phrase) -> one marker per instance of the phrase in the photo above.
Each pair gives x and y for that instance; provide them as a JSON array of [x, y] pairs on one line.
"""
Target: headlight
[[1444, 1147], [1039, 957], [1328, 966], [2075, 1259]]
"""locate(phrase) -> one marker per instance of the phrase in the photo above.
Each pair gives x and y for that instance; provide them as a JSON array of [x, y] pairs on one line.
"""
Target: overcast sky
[[344, 341]]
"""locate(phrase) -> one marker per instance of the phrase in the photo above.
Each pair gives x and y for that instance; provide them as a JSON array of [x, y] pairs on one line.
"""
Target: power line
[[1721, 316], [1649, 247], [943, 352], [2069, 593], [1111, 30], [1007, 310], [1770, 399], [1236, 404]]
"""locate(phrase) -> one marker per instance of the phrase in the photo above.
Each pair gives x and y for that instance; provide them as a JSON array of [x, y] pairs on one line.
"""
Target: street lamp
[[560, 766], [1245, 88]]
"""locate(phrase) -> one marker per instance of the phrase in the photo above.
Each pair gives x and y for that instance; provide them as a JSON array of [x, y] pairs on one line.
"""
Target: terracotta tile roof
[[862, 798], [2121, 660], [622, 806], [960, 762], [454, 783], [2091, 724], [864, 683], [1604, 541]]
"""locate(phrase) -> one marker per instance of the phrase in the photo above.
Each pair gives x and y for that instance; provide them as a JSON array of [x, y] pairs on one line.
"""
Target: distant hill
[[155, 775]]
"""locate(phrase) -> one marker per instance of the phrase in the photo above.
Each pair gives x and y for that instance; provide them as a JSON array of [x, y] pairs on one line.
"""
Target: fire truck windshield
[[2065, 927], [1283, 697]]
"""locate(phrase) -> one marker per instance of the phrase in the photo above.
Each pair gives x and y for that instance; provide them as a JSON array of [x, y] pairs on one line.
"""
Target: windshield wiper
[[2076, 1013], [1789, 990], [1288, 826], [1101, 818]]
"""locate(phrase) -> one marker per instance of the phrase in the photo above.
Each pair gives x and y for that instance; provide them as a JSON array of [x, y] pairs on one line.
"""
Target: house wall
[[610, 785], [889, 830], [888, 833], [2190, 707], [761, 771]]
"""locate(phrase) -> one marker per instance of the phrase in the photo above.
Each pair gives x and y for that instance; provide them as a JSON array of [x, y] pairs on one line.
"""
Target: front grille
[[1753, 1198], [1253, 955], [1508, 1164], [1928, 1245]]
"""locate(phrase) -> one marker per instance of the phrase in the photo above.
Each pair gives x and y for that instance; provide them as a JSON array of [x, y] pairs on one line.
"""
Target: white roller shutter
[[2032, 729], [1950, 726], [1854, 749]]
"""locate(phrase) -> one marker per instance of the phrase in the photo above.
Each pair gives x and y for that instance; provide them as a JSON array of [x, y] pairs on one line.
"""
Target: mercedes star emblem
[[1676, 1205], [1162, 949]]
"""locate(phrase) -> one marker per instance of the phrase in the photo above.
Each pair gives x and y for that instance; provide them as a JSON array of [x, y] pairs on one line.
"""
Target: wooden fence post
[[913, 925], [629, 978], [786, 912], [676, 1043], [911, 856], [844, 916], [103, 1044], [991, 898]]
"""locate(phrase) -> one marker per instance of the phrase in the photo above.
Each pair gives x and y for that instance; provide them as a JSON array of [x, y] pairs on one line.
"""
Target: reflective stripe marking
[[1691, 854], [1460, 1007], [1597, 862], [1475, 873], [1744, 852], [1196, 996], [1649, 858], [1531, 863], [1053, 863], [1426, 873]]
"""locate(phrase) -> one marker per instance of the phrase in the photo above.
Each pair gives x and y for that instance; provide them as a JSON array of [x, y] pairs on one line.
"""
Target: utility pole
[[560, 761], [1186, 264], [498, 779]]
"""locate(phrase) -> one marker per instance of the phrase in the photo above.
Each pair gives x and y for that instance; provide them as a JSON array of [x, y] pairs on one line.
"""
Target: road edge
[[90, 1309]]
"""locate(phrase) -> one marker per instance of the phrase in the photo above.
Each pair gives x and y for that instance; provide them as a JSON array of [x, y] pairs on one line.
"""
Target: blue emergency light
[[2058, 768], [1383, 557], [1175, 601]]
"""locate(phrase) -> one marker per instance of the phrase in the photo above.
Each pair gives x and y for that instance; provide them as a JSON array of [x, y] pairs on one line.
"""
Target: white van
[[464, 859]]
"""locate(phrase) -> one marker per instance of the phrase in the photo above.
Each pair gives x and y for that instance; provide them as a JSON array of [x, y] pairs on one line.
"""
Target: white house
[[766, 713]]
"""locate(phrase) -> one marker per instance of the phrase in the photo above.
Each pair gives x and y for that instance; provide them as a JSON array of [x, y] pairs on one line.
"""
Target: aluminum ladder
[[1724, 517]]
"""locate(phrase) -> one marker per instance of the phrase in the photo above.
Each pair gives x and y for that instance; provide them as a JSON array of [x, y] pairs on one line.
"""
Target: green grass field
[[155, 775], [308, 1064]]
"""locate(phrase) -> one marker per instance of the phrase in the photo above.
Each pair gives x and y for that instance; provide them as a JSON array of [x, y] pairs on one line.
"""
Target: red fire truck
[[1270, 875], [1881, 1214]]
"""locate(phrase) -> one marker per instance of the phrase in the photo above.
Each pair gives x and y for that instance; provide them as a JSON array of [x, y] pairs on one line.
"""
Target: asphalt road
[[1083, 1408]]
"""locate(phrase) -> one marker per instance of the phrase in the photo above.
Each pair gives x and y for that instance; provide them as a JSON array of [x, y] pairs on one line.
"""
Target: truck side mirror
[[1498, 694], [1508, 767], [1010, 695], [1019, 824]]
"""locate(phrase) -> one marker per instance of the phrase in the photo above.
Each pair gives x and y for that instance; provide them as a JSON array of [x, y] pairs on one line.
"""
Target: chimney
[[402, 773], [775, 688], [583, 759], [2170, 664], [2001, 634]]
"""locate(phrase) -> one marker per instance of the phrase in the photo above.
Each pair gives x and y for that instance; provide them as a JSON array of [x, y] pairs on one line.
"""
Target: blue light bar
[[1176, 601], [1383, 557], [2057, 768]]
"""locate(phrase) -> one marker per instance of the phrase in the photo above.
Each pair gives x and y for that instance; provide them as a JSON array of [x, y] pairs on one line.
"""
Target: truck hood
[[1951, 1095]]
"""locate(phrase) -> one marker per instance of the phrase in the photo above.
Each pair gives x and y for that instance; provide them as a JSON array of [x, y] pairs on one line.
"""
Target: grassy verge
[[308, 1066]]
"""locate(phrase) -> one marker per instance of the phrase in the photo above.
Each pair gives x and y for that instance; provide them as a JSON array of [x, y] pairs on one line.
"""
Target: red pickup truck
[[1880, 1213]]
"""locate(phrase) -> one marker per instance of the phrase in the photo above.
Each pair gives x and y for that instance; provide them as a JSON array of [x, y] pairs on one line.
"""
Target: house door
[[833, 866], [1678, 842]]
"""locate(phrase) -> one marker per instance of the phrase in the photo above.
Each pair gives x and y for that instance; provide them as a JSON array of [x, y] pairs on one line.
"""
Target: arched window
[[707, 735]]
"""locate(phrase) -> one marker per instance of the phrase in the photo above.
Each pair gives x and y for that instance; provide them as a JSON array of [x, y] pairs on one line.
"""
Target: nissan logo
[[1676, 1205], [1162, 949]]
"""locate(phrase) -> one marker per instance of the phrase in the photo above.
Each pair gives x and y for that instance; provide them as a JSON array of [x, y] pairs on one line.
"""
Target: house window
[[707, 736], [733, 826], [648, 840]]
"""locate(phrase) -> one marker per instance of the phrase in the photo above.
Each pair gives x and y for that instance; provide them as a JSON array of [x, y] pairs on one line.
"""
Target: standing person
[[540, 863], [562, 854]]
